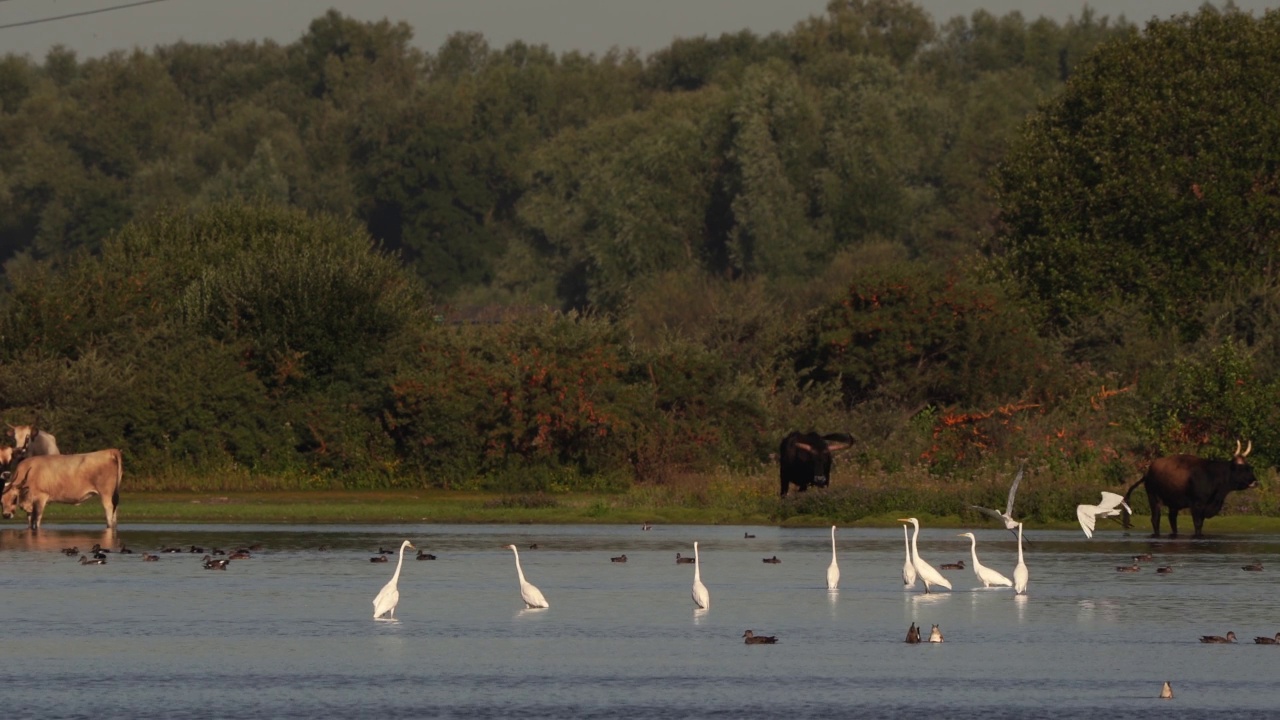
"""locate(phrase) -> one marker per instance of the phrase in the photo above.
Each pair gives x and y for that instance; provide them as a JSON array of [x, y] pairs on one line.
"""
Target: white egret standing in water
[[988, 576], [389, 596], [1020, 574], [833, 570], [531, 595], [908, 568], [701, 597], [1089, 514], [928, 575]]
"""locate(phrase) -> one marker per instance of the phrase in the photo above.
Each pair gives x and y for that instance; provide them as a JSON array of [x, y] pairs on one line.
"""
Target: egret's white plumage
[[1006, 518], [1088, 514], [531, 595], [1020, 575], [388, 597], [928, 575], [701, 597], [833, 570], [908, 568], [986, 575]]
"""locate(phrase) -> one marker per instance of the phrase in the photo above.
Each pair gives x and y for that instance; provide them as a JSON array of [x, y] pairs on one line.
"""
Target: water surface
[[289, 632]]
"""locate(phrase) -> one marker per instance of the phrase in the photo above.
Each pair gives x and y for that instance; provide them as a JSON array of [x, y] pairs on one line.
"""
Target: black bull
[[1180, 482], [805, 458]]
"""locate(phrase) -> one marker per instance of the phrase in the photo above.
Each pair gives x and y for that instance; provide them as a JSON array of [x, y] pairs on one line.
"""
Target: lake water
[[289, 633]]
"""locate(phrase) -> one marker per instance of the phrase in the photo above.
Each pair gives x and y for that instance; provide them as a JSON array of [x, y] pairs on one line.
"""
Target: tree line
[[962, 241]]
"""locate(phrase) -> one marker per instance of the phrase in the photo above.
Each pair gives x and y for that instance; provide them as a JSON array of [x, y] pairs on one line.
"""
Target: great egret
[[1020, 575], [1230, 638], [1006, 517], [701, 597], [384, 603], [833, 570], [1088, 514], [986, 575], [928, 575], [908, 569], [935, 635], [753, 639], [531, 595]]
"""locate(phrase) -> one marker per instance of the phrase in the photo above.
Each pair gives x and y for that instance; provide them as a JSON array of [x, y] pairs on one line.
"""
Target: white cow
[[33, 440]]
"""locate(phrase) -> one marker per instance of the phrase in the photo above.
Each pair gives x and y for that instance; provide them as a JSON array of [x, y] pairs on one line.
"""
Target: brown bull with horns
[[1180, 482]]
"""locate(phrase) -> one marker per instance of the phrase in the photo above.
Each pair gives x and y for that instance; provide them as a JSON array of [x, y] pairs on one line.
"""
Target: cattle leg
[[1155, 518], [1173, 522], [1197, 519], [110, 508], [37, 509]]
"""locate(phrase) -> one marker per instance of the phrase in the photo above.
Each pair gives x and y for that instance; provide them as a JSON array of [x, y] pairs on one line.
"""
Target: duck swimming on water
[[93, 561], [958, 565], [1129, 568], [935, 635], [1165, 570], [772, 560], [423, 555], [753, 639], [620, 559], [680, 560], [1230, 638], [1252, 567], [1268, 640], [913, 634], [1143, 557], [378, 558]]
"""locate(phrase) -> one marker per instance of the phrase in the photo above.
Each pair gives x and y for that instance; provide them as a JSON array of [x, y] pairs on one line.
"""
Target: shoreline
[[462, 507]]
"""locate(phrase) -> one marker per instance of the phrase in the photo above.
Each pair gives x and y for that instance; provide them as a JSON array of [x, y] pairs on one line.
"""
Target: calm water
[[289, 632]]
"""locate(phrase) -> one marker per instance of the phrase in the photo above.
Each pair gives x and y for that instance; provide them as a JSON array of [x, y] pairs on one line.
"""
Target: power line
[[78, 14]]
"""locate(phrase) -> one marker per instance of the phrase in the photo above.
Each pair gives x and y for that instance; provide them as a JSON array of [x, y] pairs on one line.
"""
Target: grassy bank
[[441, 506]]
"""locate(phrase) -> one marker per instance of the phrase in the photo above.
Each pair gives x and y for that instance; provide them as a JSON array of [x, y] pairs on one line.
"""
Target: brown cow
[[70, 479], [1187, 481]]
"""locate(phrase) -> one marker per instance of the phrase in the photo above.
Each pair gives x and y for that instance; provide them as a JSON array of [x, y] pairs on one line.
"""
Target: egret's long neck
[[1019, 542], [906, 542], [833, 543], [399, 564], [697, 573], [973, 550], [915, 551], [519, 572]]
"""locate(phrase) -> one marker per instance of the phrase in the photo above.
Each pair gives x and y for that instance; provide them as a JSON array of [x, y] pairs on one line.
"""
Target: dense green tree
[[1151, 181]]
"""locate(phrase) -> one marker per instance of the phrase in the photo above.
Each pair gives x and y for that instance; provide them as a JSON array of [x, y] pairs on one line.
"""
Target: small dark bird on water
[[378, 558], [913, 634], [1268, 640], [213, 564], [620, 558], [646, 526], [1230, 638], [384, 551], [1165, 570], [196, 550], [953, 566], [217, 551], [93, 561], [748, 536], [124, 549], [425, 555], [1143, 557], [1129, 568], [171, 550], [772, 560], [148, 557], [1254, 567], [534, 546], [99, 549], [753, 639], [73, 550], [240, 554], [681, 560]]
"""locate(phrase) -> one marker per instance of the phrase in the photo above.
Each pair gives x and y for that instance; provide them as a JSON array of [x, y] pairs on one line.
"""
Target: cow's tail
[[115, 492], [1124, 513]]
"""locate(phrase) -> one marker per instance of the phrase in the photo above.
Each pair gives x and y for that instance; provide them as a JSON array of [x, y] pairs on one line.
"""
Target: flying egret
[[1007, 516], [389, 596], [908, 570], [1088, 514], [531, 595], [928, 575], [701, 597], [1020, 575], [833, 570], [988, 576]]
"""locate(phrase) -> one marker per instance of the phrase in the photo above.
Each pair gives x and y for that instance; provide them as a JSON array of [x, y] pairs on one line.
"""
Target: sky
[[592, 26]]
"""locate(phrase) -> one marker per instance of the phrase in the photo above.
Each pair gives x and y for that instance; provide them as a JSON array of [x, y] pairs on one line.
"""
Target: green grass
[[442, 506]]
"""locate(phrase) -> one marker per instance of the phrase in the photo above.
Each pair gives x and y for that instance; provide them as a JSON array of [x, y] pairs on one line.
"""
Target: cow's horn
[[1237, 448], [1248, 449]]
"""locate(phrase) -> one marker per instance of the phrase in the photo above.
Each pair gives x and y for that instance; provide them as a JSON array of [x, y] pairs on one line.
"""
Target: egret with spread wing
[[1089, 514], [1006, 517]]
